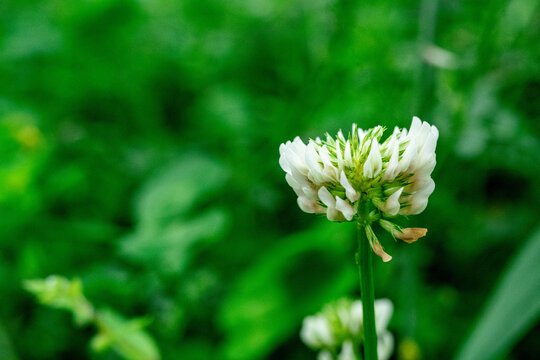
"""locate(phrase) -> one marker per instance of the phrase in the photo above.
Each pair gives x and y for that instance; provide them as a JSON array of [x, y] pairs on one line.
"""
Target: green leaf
[[172, 217], [511, 311], [126, 337], [170, 248], [272, 297], [177, 188], [61, 293]]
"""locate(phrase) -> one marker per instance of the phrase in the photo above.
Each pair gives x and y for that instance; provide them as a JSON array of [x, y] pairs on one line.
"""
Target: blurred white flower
[[347, 351], [316, 332], [360, 178], [325, 355], [337, 332]]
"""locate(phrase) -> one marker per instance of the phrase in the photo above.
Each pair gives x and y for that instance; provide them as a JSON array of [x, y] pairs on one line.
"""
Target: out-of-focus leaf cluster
[[59, 292], [126, 337], [139, 146]]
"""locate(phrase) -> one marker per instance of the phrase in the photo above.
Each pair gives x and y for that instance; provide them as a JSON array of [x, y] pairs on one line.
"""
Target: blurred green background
[[139, 152]]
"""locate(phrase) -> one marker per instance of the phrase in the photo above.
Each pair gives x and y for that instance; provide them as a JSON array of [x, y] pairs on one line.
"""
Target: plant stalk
[[367, 292]]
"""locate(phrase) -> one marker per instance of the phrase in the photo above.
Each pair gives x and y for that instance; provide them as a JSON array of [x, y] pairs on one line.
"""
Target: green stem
[[367, 292]]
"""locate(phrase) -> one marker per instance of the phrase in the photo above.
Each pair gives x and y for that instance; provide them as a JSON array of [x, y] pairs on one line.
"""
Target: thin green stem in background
[[367, 292]]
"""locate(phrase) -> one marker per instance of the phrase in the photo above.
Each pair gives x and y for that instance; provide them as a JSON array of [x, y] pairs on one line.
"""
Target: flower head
[[363, 178], [336, 331]]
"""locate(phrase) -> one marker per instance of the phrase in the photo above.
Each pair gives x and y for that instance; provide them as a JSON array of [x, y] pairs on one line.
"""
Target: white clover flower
[[316, 332], [337, 332], [361, 178]]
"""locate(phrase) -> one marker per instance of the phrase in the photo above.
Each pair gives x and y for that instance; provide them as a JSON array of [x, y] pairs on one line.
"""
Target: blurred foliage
[[139, 153], [126, 337], [61, 293], [513, 308]]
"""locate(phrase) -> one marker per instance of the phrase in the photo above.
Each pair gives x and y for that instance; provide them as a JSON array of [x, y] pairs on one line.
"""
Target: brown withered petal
[[378, 249], [410, 235]]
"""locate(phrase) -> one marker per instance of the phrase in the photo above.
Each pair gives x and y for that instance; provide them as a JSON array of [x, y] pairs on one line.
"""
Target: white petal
[[361, 135], [426, 155], [298, 145], [309, 206], [291, 181], [323, 331], [346, 209], [408, 155], [312, 158], [298, 192], [387, 148], [310, 193], [426, 164], [325, 156], [373, 165], [352, 195], [316, 332], [393, 165], [383, 312], [347, 351], [356, 317], [377, 132], [391, 206], [419, 199], [333, 214], [417, 205], [307, 334], [325, 355], [435, 132], [426, 188], [344, 316], [418, 182], [292, 156], [326, 197], [403, 134], [347, 154], [339, 156], [385, 345], [299, 177], [284, 163], [423, 134], [329, 169], [365, 146], [416, 124]]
